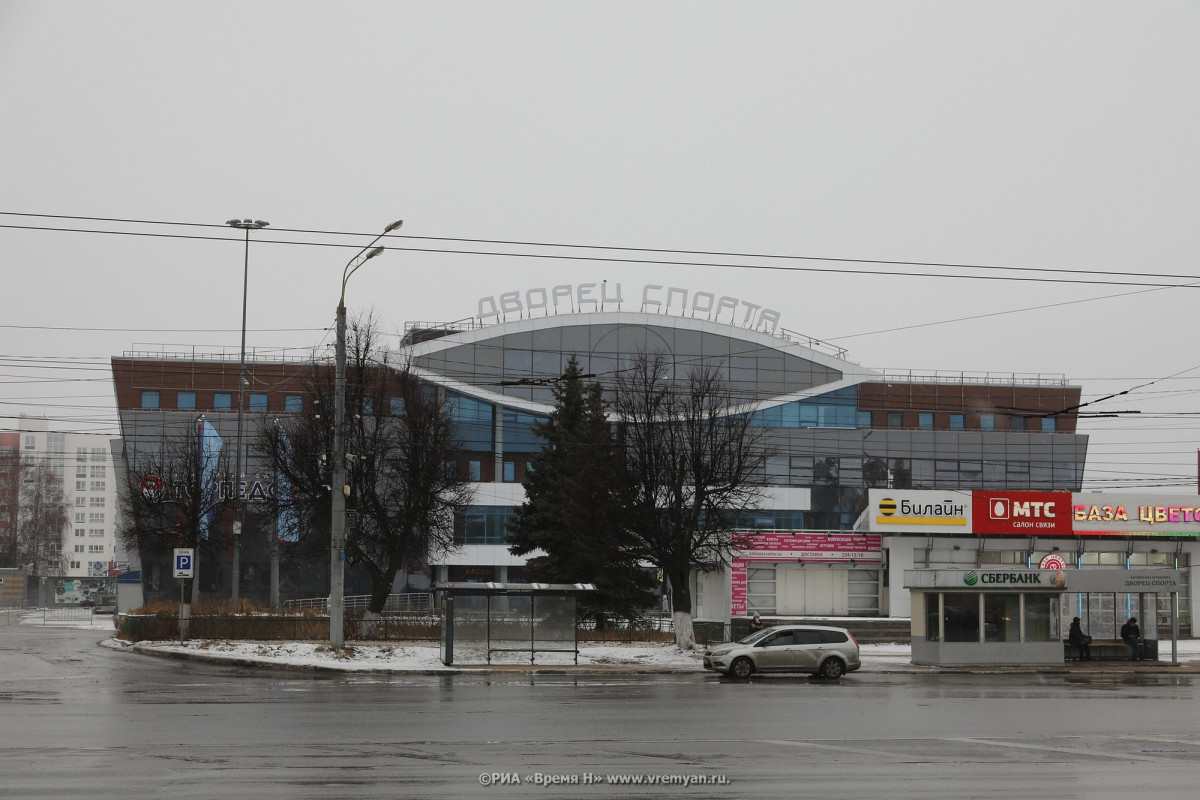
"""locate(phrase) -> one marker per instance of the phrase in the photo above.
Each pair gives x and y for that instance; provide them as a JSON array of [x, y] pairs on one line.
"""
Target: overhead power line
[[1036, 274]]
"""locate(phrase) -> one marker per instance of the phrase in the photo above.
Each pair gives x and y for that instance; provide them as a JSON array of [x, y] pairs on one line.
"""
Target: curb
[[1116, 669]]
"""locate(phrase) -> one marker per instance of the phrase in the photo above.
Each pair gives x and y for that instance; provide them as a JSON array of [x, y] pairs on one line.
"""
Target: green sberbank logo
[[970, 578]]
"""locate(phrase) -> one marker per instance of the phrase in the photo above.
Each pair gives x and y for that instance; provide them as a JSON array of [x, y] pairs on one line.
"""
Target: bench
[[1111, 650]]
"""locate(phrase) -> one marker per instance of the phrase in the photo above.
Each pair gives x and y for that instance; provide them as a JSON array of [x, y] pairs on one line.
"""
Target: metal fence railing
[[408, 601]]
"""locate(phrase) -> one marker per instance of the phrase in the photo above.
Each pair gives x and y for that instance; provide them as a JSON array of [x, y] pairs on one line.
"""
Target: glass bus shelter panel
[[470, 623], [511, 622], [554, 623], [1043, 622]]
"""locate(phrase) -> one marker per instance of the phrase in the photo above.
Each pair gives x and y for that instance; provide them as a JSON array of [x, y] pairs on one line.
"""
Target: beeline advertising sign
[[1021, 513]]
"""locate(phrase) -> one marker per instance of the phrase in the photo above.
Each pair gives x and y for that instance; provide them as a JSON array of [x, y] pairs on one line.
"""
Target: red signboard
[[1021, 513]]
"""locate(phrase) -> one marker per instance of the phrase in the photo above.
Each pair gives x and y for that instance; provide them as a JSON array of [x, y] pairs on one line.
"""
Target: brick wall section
[[274, 379], [944, 399]]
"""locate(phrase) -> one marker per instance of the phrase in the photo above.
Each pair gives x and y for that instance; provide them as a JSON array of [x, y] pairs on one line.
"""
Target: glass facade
[[834, 410], [482, 525]]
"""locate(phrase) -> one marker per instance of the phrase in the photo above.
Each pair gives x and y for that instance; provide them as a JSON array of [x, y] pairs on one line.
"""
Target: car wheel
[[833, 668], [741, 668]]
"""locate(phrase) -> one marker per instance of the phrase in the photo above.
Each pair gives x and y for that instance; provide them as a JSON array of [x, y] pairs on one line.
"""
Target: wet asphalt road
[[77, 720]]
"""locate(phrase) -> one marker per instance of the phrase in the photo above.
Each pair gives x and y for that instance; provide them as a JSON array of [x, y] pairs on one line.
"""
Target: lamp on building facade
[[338, 488], [246, 225]]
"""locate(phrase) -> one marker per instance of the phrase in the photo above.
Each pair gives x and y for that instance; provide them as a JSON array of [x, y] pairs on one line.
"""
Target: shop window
[[933, 616], [961, 618], [760, 590], [1002, 617], [185, 401], [149, 398]]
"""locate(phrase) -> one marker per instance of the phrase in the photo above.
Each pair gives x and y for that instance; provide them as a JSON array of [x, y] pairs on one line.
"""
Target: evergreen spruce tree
[[573, 510]]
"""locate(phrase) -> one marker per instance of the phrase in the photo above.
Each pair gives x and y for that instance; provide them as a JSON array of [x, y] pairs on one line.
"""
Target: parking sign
[[183, 561]]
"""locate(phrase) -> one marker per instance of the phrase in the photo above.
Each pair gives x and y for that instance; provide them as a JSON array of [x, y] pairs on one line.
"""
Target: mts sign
[[1021, 513]]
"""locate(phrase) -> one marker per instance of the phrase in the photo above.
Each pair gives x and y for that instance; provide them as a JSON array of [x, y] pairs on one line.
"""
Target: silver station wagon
[[826, 652]]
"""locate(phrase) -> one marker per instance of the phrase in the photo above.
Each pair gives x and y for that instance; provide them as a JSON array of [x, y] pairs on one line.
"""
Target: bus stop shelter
[[995, 617], [483, 620]]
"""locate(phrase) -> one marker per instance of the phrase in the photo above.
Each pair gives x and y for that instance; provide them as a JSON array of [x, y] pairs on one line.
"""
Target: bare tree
[[43, 517], [692, 466], [175, 496], [401, 446]]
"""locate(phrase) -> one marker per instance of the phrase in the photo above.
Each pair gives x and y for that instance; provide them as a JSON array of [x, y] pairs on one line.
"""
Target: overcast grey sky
[[1032, 135]]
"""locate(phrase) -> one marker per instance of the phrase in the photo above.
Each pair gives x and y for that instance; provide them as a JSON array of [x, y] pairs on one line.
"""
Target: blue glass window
[[185, 401], [396, 406], [1049, 425], [222, 401], [957, 422], [149, 398], [987, 422], [1016, 423], [837, 409], [925, 420], [518, 431], [482, 524], [473, 419], [293, 403], [258, 402], [510, 472]]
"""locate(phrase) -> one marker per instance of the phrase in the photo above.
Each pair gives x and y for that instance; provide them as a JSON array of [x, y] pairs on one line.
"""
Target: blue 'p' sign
[[184, 558]]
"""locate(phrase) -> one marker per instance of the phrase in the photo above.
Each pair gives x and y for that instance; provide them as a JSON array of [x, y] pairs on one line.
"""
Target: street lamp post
[[337, 483], [246, 225]]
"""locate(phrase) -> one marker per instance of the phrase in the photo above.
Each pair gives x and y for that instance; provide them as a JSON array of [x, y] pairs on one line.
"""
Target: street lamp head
[[247, 224], [394, 226], [374, 251]]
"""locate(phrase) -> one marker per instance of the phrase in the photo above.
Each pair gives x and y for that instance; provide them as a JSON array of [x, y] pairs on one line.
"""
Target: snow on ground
[[424, 656]]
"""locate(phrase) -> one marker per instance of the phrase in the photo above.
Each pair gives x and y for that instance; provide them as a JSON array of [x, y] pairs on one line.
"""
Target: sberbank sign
[[1005, 578]]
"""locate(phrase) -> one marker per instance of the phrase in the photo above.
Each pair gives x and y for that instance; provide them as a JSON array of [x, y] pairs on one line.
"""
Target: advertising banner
[[1021, 513], [825, 548], [1120, 514], [919, 511]]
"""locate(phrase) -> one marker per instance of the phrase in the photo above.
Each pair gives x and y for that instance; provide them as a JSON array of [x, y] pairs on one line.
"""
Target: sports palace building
[[876, 472]]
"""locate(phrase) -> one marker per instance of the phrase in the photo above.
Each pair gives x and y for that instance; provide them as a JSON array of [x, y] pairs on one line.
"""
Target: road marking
[[1048, 748], [867, 751]]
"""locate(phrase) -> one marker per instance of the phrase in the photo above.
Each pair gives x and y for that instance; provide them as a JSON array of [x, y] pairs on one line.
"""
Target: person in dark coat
[[756, 624], [1081, 640], [1131, 634]]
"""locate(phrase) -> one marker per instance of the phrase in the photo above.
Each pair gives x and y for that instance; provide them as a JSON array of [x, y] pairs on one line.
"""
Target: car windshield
[[754, 637]]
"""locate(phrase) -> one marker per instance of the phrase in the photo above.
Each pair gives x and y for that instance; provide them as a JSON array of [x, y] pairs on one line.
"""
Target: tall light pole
[[337, 484], [246, 225]]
